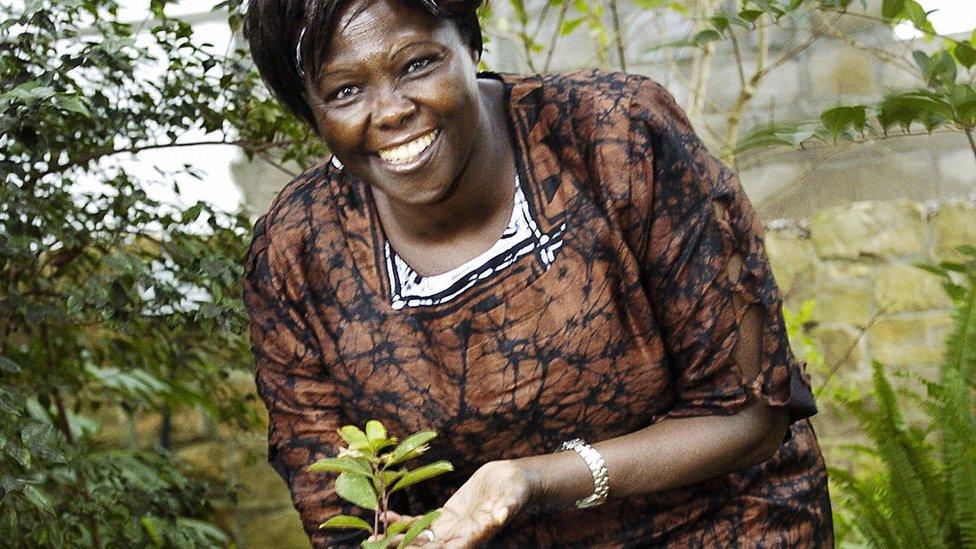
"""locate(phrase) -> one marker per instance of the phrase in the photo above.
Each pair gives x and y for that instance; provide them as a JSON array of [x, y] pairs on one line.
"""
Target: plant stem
[[381, 510], [832, 370], [247, 145], [538, 27], [64, 425], [701, 66], [555, 35], [618, 35], [972, 140]]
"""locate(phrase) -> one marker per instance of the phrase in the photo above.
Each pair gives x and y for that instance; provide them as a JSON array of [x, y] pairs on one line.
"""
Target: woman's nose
[[393, 109]]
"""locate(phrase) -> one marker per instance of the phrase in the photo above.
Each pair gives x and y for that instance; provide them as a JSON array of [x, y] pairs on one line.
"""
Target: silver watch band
[[598, 468]]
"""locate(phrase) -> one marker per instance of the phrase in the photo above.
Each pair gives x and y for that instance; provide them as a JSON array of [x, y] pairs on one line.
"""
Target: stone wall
[[854, 260]]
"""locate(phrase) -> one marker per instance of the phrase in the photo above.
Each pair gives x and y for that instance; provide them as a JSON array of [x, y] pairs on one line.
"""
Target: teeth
[[408, 151]]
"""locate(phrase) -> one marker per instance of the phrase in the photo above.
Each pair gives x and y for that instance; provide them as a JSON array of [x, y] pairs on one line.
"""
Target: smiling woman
[[519, 262]]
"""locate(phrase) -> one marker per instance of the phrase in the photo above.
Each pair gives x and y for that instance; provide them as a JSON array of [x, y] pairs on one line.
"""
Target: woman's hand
[[481, 507]]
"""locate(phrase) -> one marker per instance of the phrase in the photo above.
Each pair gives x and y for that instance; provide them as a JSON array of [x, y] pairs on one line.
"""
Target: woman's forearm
[[669, 454]]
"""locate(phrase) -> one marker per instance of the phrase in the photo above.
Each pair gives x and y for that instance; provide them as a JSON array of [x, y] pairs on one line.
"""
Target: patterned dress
[[607, 306]]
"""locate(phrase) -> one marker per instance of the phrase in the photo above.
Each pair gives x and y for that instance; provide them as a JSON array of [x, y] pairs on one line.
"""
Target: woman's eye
[[418, 64], [345, 92]]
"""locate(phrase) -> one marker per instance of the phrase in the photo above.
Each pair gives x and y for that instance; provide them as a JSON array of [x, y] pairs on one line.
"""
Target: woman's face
[[397, 100]]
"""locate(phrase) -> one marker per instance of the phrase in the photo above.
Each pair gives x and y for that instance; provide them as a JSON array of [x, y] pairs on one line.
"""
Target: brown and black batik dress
[[610, 306]]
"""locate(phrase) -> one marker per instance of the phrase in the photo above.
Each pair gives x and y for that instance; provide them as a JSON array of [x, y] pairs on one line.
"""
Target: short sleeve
[[706, 272], [292, 382]]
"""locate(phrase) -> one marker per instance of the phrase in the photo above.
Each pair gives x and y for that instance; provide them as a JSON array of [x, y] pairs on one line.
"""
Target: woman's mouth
[[409, 156]]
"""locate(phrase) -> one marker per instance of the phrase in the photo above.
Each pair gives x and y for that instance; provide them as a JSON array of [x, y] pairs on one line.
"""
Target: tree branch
[[738, 57], [702, 68], [64, 426], [277, 165], [835, 367], [555, 35], [247, 145], [618, 35], [972, 140]]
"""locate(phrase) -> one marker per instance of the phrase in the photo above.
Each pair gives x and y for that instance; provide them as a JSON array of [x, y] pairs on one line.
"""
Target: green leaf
[[354, 436], [934, 269], [389, 477], [791, 135], [963, 99], [922, 106], [193, 213], [421, 474], [570, 25], [40, 500], [520, 12], [411, 447], [8, 365], [839, 119], [679, 8], [965, 54], [398, 527], [356, 490], [151, 525], [705, 36], [375, 430], [914, 12], [951, 266], [892, 8], [347, 521], [751, 15], [967, 249], [340, 465], [940, 69], [378, 445], [417, 527]]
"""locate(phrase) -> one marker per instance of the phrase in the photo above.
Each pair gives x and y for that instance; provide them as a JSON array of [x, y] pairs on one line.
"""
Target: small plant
[[920, 488], [368, 476]]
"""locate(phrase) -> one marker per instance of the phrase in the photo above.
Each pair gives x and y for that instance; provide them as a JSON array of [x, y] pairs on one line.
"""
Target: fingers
[[393, 516]]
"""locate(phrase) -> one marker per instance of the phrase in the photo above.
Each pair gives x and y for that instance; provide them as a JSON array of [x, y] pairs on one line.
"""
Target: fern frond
[[923, 497], [913, 503], [959, 453], [867, 518], [960, 351]]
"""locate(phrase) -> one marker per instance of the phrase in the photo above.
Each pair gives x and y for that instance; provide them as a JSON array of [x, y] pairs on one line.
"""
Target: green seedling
[[369, 472]]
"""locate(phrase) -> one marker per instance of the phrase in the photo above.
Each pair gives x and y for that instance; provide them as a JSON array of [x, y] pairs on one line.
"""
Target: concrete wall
[[783, 183]]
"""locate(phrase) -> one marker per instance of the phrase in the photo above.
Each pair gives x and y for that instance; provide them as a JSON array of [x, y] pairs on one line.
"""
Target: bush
[[917, 487]]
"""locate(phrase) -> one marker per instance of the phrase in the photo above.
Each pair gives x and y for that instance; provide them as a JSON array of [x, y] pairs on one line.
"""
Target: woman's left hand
[[482, 506]]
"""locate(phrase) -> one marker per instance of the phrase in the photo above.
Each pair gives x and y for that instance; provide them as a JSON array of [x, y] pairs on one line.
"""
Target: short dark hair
[[273, 29]]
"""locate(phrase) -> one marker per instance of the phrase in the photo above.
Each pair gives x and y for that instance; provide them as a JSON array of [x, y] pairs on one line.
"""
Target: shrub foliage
[[921, 489], [110, 300]]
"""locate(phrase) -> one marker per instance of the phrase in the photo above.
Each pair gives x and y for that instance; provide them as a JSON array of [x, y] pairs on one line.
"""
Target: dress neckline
[[521, 237]]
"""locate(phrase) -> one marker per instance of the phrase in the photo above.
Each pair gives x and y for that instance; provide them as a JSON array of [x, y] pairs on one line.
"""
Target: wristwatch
[[598, 468]]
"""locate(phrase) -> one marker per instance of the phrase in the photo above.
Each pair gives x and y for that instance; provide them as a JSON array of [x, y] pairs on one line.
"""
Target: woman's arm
[[676, 451], [672, 453]]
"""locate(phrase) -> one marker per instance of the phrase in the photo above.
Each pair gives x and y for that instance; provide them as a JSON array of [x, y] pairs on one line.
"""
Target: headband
[[298, 54], [442, 8]]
